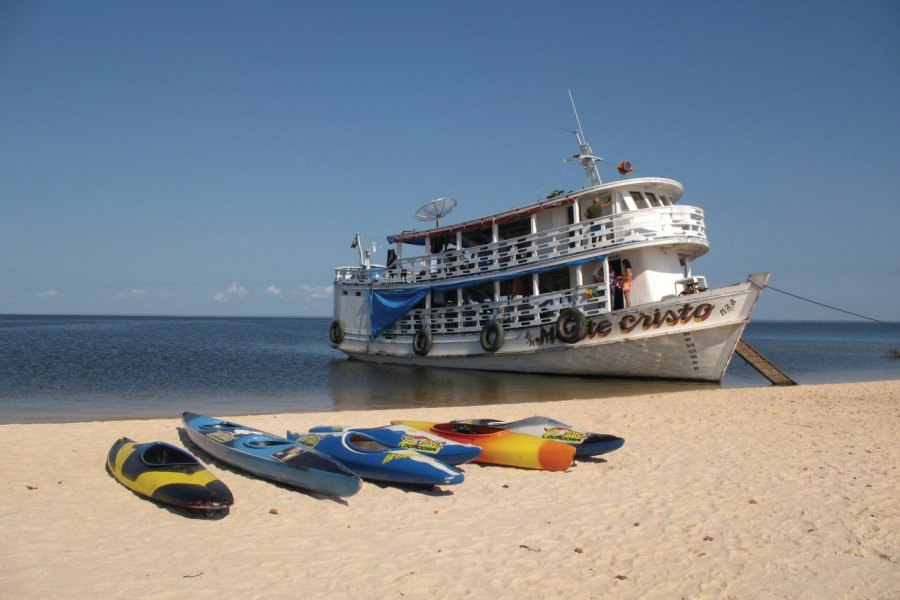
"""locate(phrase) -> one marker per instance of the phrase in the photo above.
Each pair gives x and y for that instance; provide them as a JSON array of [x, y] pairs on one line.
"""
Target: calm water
[[86, 368]]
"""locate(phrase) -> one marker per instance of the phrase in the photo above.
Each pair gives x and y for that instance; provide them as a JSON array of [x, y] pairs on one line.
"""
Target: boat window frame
[[638, 199]]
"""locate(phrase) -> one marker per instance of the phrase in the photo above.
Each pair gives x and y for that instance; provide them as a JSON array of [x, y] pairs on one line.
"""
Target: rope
[[831, 307]]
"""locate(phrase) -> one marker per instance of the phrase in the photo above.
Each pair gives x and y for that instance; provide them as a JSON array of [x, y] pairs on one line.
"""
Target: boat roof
[[669, 187]]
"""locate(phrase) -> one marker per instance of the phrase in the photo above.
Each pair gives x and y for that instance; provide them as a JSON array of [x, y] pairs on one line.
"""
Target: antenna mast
[[586, 156]]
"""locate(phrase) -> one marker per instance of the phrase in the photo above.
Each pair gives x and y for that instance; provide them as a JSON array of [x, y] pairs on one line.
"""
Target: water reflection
[[359, 385]]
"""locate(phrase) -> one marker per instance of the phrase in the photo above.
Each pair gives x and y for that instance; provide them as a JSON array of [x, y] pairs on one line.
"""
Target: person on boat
[[624, 282], [595, 211], [615, 288]]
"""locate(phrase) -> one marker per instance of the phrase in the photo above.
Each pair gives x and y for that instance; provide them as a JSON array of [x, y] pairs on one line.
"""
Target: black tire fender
[[336, 332], [422, 341], [571, 326], [492, 336]]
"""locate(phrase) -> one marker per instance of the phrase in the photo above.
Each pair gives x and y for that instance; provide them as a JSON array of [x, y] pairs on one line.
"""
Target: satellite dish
[[435, 210]]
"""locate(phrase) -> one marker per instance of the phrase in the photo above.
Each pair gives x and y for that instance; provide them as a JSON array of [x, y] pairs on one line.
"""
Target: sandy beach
[[728, 493]]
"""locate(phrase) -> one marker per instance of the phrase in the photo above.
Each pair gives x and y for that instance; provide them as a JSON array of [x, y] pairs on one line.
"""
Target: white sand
[[729, 493]]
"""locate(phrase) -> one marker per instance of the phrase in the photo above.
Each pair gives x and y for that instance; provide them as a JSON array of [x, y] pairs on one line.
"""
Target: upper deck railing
[[669, 224], [514, 313]]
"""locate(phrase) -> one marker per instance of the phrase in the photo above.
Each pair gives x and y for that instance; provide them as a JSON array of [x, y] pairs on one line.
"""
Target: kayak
[[586, 443], [167, 474], [370, 459], [270, 457], [503, 447], [403, 436]]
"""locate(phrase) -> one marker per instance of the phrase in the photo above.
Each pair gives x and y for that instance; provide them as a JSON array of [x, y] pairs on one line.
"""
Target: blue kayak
[[409, 438], [370, 459], [586, 443], [269, 456]]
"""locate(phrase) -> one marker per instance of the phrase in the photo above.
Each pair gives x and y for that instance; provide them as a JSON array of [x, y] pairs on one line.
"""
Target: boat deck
[[675, 225]]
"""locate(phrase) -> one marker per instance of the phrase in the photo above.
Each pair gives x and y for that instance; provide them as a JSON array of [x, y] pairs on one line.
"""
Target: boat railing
[[513, 313], [670, 224]]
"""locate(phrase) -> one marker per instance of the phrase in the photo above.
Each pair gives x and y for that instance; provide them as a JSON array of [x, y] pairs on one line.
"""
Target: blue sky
[[216, 158]]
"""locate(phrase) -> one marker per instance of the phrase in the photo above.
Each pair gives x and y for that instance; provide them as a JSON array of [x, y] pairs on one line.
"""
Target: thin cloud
[[132, 293], [305, 291], [49, 294], [235, 290]]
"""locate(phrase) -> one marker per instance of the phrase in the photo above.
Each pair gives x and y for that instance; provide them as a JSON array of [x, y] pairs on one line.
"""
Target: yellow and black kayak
[[167, 474]]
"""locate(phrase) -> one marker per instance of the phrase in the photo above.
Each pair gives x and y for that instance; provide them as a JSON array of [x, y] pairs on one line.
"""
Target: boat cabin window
[[651, 198], [665, 200], [519, 287], [441, 298], [639, 201], [476, 237], [554, 281], [477, 294], [514, 229], [443, 243]]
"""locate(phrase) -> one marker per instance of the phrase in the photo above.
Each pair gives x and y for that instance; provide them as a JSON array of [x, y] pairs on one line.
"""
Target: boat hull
[[270, 457], [685, 337], [408, 438], [167, 475], [503, 447], [586, 443], [375, 461]]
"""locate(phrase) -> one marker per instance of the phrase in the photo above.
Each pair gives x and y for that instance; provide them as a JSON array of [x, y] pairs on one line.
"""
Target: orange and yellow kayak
[[503, 447]]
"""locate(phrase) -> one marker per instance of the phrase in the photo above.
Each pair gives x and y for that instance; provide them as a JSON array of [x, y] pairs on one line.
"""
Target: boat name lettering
[[422, 444], [563, 434], [628, 323], [221, 436], [310, 440], [728, 306], [700, 313], [599, 328]]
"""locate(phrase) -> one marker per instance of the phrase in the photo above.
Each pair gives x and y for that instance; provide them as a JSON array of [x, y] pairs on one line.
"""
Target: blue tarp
[[385, 307]]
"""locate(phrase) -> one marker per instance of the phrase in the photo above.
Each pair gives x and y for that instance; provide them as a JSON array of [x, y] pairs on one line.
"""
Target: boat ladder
[[762, 364]]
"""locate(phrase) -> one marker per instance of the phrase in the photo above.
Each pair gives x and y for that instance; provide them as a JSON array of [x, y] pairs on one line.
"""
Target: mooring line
[[832, 307]]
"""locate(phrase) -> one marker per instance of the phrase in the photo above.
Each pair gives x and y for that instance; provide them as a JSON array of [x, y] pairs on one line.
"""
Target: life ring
[[492, 336], [422, 341], [571, 326], [336, 332]]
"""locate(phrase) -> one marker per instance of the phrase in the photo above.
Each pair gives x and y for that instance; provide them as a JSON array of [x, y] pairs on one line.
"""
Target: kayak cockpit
[[467, 429], [363, 443], [272, 442], [161, 454]]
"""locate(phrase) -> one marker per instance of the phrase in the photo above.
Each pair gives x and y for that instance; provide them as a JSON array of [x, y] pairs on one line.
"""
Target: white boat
[[539, 289]]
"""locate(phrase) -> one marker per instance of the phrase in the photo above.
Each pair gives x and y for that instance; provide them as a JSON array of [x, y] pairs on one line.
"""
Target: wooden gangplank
[[762, 364]]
